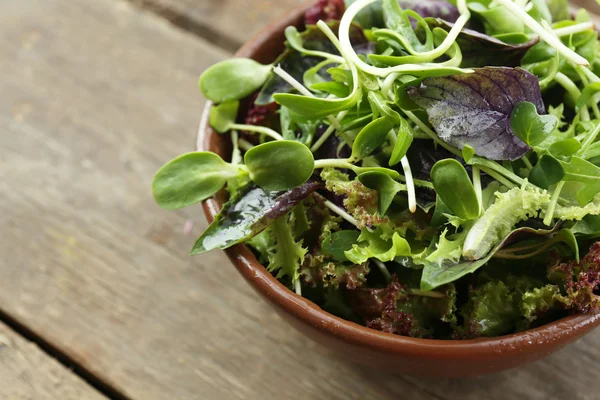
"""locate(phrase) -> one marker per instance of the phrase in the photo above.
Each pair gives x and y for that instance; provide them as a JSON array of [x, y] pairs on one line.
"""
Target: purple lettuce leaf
[[479, 50], [432, 8], [250, 212], [474, 109], [372, 15]]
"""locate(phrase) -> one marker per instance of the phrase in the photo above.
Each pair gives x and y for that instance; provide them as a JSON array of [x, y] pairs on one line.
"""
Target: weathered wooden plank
[[226, 22], [26, 372]]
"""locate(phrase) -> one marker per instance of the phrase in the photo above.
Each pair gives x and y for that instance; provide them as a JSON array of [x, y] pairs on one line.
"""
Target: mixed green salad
[[425, 168]]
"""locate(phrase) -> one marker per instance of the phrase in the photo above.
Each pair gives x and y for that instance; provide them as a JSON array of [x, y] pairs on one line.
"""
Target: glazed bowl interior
[[425, 357]]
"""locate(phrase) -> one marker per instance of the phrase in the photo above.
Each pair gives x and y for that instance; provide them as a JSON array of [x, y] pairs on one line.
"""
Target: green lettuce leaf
[[286, 255], [382, 244], [540, 301], [493, 310]]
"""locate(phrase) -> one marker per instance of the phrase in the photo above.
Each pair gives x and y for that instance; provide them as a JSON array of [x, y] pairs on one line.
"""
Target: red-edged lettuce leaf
[[480, 50], [325, 10], [475, 108], [248, 214]]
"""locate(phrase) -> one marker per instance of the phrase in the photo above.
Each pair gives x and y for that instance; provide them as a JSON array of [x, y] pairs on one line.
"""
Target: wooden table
[[98, 297]]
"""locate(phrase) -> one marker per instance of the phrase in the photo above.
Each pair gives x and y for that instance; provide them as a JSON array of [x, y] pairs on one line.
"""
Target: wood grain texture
[[226, 22], [96, 95], [28, 373]]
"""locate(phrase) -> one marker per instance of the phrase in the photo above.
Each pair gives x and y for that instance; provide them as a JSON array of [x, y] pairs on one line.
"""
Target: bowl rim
[[535, 340]]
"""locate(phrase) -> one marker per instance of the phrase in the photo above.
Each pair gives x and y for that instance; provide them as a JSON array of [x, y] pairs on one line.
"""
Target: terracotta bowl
[[422, 357]]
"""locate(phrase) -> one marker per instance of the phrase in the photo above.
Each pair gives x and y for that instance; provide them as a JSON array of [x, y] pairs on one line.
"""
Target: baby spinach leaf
[[370, 16], [385, 186], [530, 127], [580, 170], [539, 11], [337, 243], [337, 89], [564, 148], [279, 165], [542, 51], [403, 99], [436, 274], [380, 106], [497, 20], [397, 20], [453, 186], [546, 172], [439, 218], [233, 79], [191, 178], [317, 108], [370, 137], [467, 153], [567, 237], [222, 116], [475, 108], [403, 141], [588, 227], [248, 214], [480, 50], [559, 9]]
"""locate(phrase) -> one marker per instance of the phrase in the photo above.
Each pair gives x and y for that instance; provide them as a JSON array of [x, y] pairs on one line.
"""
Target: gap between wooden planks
[[96, 96], [26, 372]]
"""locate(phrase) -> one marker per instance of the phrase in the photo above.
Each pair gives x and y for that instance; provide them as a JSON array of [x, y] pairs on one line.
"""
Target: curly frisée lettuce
[[424, 168]]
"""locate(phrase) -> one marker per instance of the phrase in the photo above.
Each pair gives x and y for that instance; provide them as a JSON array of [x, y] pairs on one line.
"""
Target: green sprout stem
[[542, 32], [498, 177], [477, 187], [339, 211], [553, 201], [349, 54], [596, 110], [330, 129], [257, 129], [336, 163], [236, 156], [335, 41], [245, 145], [589, 139], [527, 163], [410, 185], [573, 91], [569, 30], [298, 287], [302, 89], [386, 88], [431, 133]]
